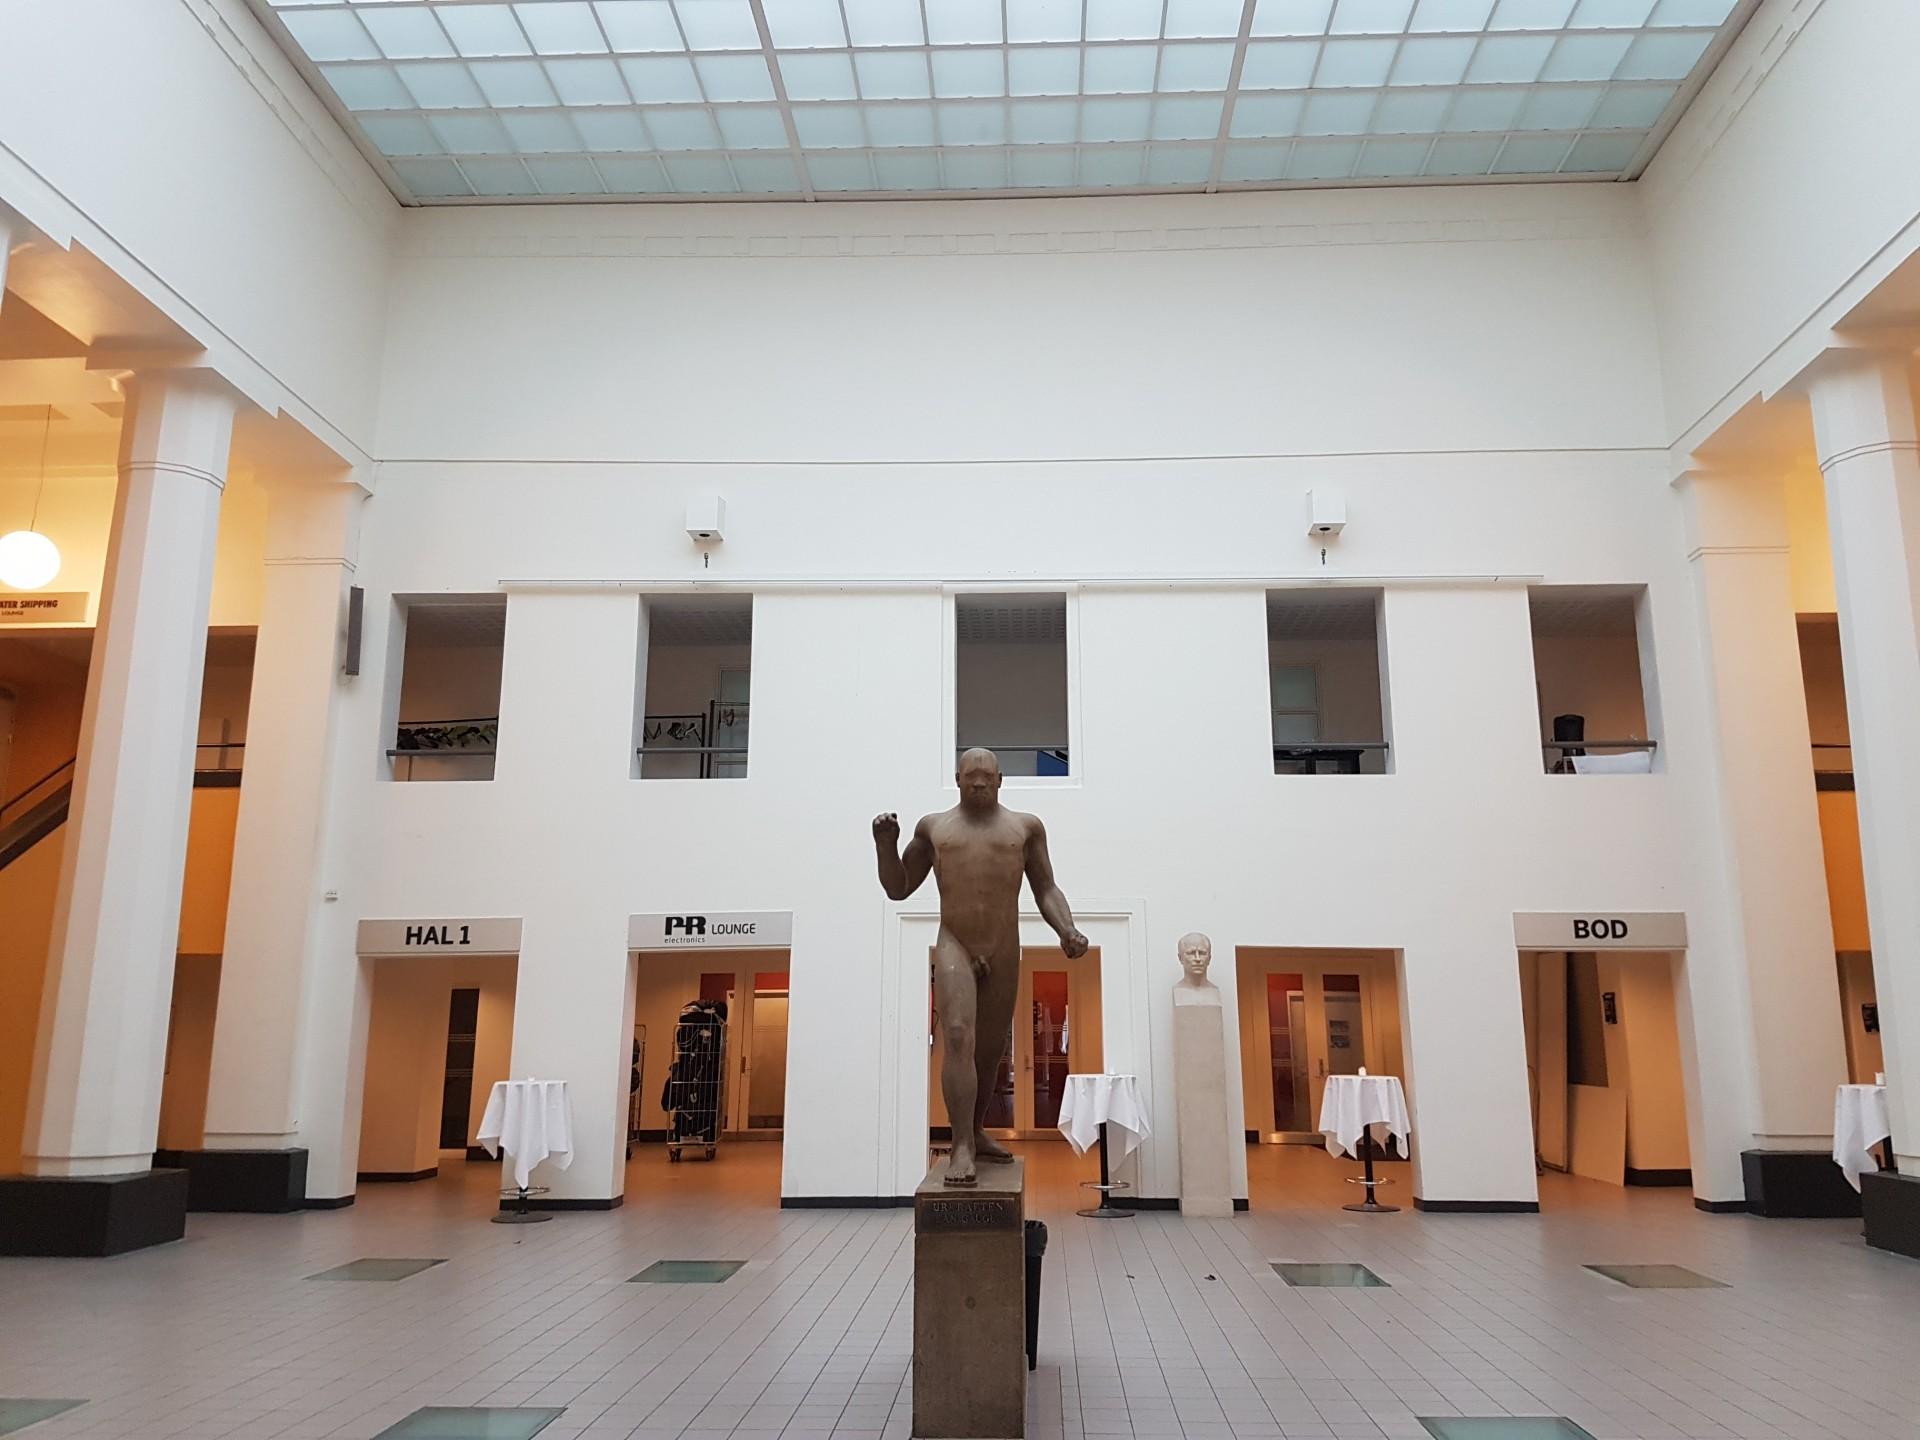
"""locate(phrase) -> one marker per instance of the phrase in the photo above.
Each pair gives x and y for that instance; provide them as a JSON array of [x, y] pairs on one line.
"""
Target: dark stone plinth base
[[1890, 1205], [264, 1182], [1796, 1185], [970, 1306], [91, 1214]]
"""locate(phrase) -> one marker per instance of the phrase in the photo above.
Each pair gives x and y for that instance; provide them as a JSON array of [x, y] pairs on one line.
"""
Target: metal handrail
[[1564, 745], [15, 800], [1306, 745]]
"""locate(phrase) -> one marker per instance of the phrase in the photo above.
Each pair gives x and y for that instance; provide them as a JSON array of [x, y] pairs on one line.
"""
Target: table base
[[1369, 1206], [1105, 1187]]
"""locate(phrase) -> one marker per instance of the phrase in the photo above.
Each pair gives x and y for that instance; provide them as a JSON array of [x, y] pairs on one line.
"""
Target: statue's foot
[[960, 1166], [991, 1151]]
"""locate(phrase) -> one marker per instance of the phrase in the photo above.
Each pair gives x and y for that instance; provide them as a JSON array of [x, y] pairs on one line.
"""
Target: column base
[[1890, 1205], [1796, 1185], [91, 1215], [264, 1182]]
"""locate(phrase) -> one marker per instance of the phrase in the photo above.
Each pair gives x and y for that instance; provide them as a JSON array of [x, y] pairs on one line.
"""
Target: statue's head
[[1196, 954], [978, 777]]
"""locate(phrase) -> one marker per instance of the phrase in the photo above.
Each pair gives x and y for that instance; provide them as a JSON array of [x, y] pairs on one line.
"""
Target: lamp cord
[[46, 433]]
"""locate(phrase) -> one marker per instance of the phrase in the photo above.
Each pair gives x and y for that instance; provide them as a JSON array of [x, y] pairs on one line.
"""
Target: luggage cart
[[696, 1079]]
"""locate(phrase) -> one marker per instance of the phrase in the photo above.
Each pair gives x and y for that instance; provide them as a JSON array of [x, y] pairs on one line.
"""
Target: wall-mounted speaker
[[356, 618]]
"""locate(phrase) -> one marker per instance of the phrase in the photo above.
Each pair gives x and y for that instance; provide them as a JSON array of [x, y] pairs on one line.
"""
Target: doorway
[[1604, 1068], [746, 991], [439, 1034], [1305, 1015], [1054, 1033]]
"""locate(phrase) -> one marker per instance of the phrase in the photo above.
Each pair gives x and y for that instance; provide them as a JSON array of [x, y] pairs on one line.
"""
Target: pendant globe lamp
[[28, 559]]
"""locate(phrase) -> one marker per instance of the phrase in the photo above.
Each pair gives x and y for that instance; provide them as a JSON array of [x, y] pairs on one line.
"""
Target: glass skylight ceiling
[[796, 99]]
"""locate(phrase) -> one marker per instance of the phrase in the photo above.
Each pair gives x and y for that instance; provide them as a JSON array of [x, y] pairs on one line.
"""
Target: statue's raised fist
[[886, 827]]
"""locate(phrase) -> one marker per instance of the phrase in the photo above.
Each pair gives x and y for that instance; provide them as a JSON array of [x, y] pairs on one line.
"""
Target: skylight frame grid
[[1369, 53]]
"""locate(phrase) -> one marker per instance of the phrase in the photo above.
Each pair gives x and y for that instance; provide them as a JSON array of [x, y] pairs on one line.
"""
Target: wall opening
[[1010, 680], [1055, 1031], [710, 1062], [1604, 1069], [1326, 682], [696, 698], [1305, 1015], [1593, 677], [439, 1034], [452, 649]]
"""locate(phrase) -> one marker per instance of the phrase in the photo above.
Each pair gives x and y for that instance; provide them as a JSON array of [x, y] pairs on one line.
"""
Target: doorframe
[[1119, 929], [1372, 966]]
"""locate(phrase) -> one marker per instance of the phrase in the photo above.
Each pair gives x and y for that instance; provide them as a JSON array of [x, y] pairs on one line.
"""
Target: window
[[449, 716], [697, 696], [1326, 682], [1592, 679], [1010, 681]]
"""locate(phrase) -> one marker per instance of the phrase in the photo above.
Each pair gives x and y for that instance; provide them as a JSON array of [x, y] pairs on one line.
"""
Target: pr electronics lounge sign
[[1601, 930], [486, 936], [711, 930]]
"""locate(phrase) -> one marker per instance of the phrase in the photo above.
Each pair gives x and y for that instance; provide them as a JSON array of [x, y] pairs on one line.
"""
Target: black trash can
[[1036, 1252]]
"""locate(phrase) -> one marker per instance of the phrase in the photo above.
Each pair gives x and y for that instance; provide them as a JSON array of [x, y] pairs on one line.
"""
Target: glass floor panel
[[1657, 1277], [686, 1272], [1333, 1275], [16, 1415], [483, 1422], [376, 1269], [1504, 1427]]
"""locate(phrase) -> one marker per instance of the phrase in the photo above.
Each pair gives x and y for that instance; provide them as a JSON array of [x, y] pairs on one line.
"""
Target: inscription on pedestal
[[969, 1307]]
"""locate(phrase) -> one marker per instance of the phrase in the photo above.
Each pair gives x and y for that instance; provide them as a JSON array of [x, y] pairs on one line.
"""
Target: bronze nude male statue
[[977, 852]]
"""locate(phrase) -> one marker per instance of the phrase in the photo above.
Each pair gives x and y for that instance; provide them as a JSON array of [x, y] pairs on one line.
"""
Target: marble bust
[[1193, 987], [1200, 1085]]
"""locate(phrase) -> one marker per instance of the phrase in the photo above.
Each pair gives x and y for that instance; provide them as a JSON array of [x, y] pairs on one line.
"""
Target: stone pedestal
[[969, 1306], [1200, 1105]]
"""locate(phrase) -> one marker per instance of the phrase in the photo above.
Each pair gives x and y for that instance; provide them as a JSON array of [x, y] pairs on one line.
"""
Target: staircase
[[35, 813]]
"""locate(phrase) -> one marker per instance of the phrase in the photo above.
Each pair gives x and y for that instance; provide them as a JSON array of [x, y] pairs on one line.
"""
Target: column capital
[[1861, 396], [1733, 511]]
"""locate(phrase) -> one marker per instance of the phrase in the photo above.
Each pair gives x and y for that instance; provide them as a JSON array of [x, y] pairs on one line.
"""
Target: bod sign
[[1601, 930], [711, 930]]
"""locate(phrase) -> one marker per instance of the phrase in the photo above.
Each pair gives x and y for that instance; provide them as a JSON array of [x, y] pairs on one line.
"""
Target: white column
[[253, 1094], [12, 232], [566, 730], [1869, 449], [1774, 875], [94, 1108]]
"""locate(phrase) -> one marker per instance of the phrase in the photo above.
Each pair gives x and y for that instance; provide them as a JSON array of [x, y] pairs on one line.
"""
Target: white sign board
[[1601, 930], [43, 607], [712, 930], [439, 937]]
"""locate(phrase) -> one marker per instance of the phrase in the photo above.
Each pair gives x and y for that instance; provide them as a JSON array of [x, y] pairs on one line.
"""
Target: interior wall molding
[[611, 242], [342, 168], [1760, 48]]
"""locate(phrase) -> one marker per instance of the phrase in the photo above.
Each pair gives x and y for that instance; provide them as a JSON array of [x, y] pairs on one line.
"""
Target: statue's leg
[[998, 993], [955, 1000]]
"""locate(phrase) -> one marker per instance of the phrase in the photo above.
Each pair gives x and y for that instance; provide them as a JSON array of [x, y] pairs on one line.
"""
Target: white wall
[[174, 141], [1788, 189]]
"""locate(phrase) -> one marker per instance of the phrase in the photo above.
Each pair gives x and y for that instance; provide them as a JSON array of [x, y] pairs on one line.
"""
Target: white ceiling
[[1321, 614], [700, 620], [464, 100], [1010, 619]]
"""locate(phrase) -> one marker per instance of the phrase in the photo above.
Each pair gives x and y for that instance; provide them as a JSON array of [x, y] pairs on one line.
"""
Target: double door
[[1304, 1017], [1055, 1032]]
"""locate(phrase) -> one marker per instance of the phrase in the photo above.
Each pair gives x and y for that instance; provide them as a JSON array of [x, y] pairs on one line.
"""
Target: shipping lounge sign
[[712, 930], [462, 936]]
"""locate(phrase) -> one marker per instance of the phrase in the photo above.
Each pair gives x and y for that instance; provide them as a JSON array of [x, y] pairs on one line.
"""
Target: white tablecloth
[[532, 1120], [1350, 1103], [1859, 1123], [1634, 762], [1114, 1099]]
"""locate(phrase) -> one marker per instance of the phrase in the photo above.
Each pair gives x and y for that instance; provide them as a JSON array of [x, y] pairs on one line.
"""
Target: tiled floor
[[1154, 1327]]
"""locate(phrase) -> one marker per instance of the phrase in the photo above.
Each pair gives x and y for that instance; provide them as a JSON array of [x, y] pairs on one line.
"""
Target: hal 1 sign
[[711, 930], [488, 936]]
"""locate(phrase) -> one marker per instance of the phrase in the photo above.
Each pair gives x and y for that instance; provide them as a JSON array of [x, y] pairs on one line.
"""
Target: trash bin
[[1036, 1250]]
